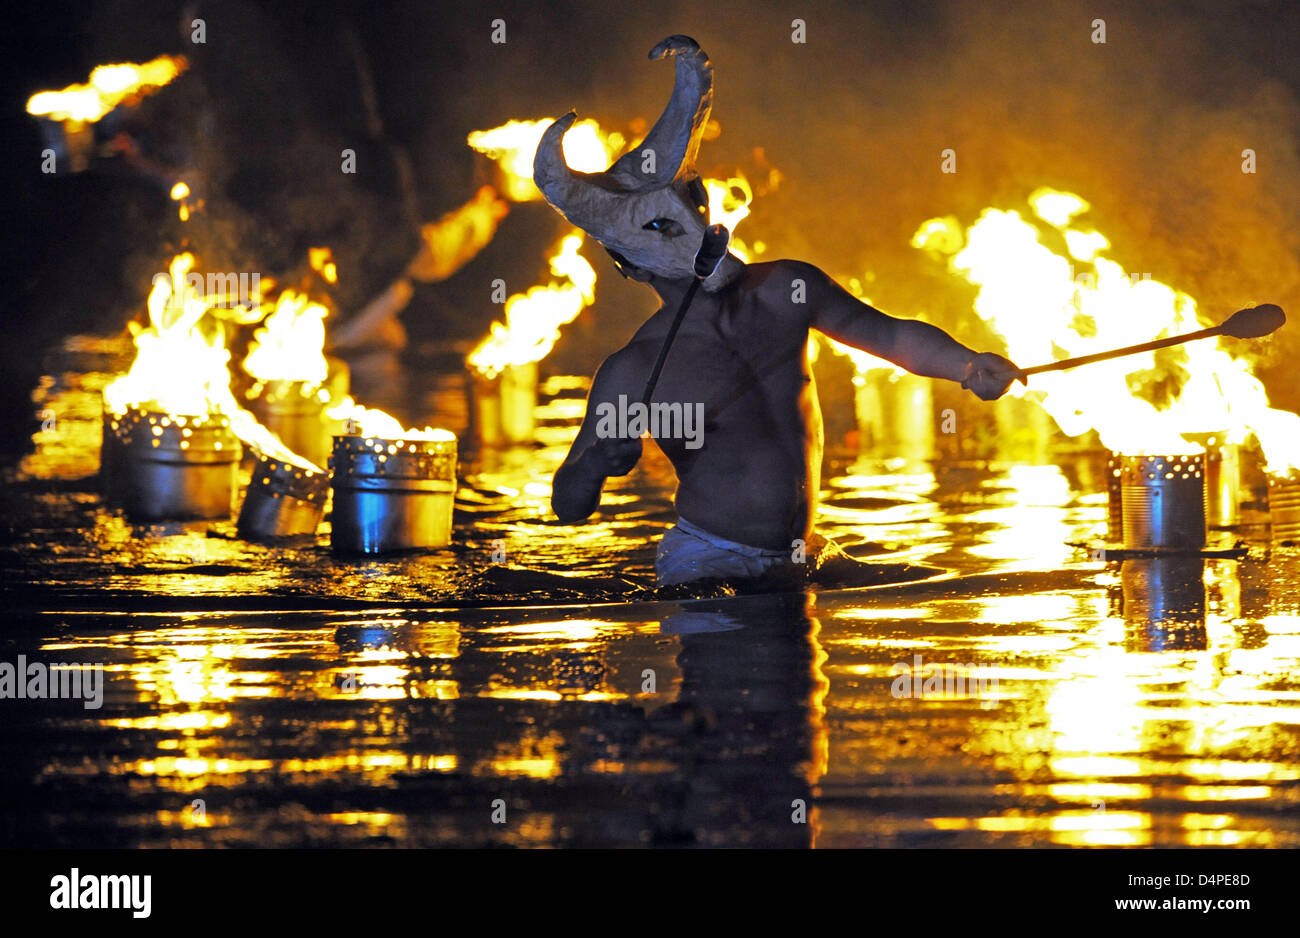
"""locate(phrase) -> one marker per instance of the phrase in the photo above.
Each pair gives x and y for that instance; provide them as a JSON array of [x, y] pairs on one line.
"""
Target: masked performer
[[748, 483]]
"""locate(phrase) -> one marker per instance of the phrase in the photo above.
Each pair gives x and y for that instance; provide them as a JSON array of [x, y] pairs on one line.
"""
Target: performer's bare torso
[[741, 353]]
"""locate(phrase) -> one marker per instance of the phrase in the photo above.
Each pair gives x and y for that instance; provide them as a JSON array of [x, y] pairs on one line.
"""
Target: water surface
[[264, 696]]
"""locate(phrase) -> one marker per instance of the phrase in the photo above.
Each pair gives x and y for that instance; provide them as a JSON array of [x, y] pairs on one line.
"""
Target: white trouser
[[687, 552]]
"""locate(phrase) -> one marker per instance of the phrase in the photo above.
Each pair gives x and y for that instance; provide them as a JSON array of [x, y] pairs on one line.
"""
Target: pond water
[[269, 696]]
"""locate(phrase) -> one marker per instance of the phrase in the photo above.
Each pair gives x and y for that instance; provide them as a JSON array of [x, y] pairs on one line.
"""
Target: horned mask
[[650, 206]]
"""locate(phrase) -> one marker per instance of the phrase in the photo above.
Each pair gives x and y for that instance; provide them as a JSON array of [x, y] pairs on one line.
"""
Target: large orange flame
[[1047, 305], [181, 364], [513, 145], [533, 320], [290, 344]]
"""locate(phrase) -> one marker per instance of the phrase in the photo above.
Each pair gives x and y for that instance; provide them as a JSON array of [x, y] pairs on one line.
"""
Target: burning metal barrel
[[895, 415], [391, 495], [1163, 501], [504, 405], [1222, 478], [295, 412], [283, 500], [166, 467]]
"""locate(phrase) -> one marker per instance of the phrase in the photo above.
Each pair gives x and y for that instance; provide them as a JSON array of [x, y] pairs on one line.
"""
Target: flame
[[322, 261], [729, 204], [109, 86], [178, 368], [180, 192], [587, 149], [290, 344], [181, 364], [369, 422], [533, 319], [454, 239], [1045, 310]]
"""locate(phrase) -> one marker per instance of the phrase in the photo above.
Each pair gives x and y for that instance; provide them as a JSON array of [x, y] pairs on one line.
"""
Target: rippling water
[[260, 696]]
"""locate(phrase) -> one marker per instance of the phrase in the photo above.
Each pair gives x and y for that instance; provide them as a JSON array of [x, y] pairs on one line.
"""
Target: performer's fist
[[988, 376], [615, 456]]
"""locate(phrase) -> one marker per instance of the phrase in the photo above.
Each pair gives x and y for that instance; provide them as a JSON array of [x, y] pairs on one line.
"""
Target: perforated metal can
[[168, 467], [1164, 501], [391, 495], [283, 500], [295, 412]]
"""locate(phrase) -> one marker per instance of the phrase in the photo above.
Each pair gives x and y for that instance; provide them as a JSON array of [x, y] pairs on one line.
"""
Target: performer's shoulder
[[779, 274], [788, 287]]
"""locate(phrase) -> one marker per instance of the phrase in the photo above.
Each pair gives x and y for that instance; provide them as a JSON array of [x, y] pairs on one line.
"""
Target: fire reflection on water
[[1140, 703]]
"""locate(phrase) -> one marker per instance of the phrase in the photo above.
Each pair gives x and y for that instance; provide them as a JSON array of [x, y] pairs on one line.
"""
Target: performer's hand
[[988, 376], [614, 456]]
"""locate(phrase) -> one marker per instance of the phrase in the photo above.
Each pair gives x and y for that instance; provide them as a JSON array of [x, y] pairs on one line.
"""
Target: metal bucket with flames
[[504, 406], [295, 412], [391, 495], [283, 500], [1163, 501], [166, 467]]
